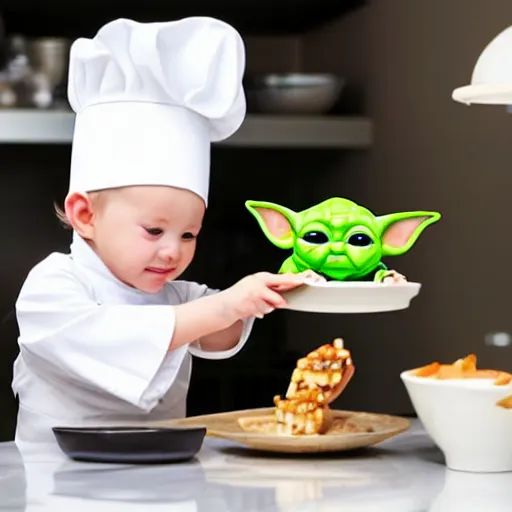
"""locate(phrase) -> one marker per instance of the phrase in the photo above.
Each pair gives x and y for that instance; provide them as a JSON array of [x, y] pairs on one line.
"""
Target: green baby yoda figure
[[340, 240]]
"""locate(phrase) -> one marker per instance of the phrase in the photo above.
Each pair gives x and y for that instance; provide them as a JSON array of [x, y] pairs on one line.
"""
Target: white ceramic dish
[[351, 297], [462, 418]]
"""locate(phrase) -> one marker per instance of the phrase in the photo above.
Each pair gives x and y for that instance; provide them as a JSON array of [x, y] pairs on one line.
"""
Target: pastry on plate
[[318, 379]]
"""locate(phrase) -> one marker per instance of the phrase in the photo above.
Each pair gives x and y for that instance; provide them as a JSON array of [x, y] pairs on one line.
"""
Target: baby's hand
[[393, 277], [258, 294], [307, 275], [313, 277]]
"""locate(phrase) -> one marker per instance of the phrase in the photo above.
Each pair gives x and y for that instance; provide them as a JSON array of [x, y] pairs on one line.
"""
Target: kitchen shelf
[[19, 126], [303, 132]]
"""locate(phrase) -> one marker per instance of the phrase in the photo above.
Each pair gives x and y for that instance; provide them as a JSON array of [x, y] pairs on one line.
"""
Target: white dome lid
[[491, 82]]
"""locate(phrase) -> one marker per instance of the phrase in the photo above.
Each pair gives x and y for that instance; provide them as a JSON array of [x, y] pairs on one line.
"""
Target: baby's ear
[[399, 231], [276, 222], [80, 214]]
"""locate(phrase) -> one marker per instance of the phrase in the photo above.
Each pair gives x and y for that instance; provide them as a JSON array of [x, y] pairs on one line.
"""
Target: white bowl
[[462, 418]]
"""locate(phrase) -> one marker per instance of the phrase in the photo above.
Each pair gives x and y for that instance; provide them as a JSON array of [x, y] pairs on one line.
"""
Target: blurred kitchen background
[[381, 129]]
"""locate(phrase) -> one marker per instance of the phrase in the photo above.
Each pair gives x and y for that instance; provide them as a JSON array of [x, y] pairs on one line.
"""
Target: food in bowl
[[318, 379], [506, 402], [464, 368], [464, 410]]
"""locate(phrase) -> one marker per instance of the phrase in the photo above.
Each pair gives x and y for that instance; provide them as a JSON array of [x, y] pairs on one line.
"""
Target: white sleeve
[[194, 291], [114, 348]]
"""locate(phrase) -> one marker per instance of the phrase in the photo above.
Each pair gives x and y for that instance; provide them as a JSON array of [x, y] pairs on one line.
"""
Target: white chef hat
[[150, 98]]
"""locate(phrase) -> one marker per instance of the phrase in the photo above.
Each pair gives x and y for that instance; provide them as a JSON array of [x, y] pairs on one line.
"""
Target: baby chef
[[106, 331]]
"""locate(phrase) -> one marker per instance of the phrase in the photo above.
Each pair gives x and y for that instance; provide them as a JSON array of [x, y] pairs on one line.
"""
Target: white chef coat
[[94, 351]]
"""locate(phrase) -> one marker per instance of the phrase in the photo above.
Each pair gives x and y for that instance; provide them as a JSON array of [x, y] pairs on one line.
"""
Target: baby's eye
[[188, 236], [315, 237], [154, 231], [360, 240]]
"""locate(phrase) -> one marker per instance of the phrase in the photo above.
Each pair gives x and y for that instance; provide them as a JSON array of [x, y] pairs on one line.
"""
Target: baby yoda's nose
[[337, 246]]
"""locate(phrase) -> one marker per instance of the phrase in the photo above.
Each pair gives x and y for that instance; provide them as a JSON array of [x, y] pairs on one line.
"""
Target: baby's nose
[[337, 246], [170, 252]]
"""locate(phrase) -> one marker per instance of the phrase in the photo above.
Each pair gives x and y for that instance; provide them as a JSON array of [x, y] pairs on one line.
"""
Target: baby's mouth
[[335, 258], [156, 270]]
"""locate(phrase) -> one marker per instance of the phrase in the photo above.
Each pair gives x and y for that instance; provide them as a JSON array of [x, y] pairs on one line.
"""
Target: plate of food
[[302, 421], [467, 411], [342, 245]]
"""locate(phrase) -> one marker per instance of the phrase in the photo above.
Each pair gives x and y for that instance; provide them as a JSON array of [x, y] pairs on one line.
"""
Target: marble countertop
[[404, 474]]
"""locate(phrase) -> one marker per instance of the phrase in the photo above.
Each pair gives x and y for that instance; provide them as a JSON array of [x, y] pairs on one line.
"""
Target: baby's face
[[147, 235]]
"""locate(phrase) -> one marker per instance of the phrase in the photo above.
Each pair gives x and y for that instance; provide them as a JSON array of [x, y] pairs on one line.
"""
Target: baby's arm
[[220, 322], [223, 340], [206, 320]]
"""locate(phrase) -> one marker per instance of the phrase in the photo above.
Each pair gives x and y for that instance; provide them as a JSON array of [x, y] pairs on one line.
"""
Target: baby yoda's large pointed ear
[[277, 222], [399, 231]]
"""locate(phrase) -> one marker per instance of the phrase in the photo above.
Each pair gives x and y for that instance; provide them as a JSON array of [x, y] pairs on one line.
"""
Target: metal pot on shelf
[[293, 93], [35, 72], [49, 58], [49, 55]]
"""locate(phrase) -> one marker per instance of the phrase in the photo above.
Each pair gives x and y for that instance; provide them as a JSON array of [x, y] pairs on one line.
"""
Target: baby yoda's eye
[[360, 240], [315, 237]]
